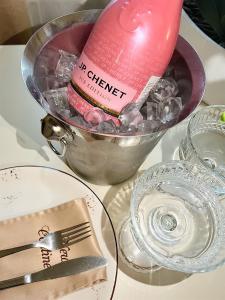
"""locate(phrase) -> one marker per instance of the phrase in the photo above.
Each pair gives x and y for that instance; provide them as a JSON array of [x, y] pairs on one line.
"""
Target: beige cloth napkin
[[29, 228]]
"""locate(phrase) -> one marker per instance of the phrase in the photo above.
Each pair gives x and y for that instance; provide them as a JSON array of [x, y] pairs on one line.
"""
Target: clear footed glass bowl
[[177, 219], [204, 142]]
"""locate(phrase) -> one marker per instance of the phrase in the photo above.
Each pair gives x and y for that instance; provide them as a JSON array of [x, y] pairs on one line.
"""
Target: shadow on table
[[17, 107], [117, 203]]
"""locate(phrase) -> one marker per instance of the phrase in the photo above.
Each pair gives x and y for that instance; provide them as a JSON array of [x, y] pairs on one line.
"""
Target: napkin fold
[[30, 228]]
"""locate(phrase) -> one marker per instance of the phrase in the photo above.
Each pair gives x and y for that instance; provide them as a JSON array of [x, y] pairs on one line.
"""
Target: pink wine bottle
[[127, 52]]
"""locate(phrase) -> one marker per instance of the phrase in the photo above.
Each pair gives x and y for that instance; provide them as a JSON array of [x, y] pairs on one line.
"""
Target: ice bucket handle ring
[[60, 154], [54, 130]]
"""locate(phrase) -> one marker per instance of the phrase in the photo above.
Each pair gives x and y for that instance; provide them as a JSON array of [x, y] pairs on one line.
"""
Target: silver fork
[[56, 240]]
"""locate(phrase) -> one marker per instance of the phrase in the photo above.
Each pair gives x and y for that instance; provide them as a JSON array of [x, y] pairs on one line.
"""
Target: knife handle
[[10, 283]]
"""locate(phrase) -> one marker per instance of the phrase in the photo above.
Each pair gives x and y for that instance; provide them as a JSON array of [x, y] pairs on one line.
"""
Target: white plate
[[28, 189]]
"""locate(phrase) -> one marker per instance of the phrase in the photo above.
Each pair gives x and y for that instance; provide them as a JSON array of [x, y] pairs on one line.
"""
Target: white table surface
[[21, 143]]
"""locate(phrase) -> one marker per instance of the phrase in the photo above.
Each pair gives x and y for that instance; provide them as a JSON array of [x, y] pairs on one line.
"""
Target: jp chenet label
[[46, 255], [102, 83], [99, 88]]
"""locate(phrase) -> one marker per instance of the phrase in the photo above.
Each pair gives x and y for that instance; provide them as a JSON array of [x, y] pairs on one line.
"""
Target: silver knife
[[67, 268]]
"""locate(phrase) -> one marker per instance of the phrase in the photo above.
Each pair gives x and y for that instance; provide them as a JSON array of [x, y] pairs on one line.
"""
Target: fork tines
[[76, 233]]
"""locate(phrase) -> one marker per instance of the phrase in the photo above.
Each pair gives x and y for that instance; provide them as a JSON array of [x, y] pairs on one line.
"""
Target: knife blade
[[64, 269]]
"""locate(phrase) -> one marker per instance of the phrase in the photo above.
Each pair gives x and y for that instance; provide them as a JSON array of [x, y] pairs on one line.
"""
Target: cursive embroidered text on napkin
[[64, 254], [45, 253]]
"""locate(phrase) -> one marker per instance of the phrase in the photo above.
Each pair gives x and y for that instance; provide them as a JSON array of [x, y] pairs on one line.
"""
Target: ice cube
[[128, 130], [153, 111], [50, 82], [131, 115], [95, 116], [164, 89], [172, 86], [58, 101], [65, 65], [171, 109], [47, 61], [107, 127], [150, 126], [143, 111], [79, 120]]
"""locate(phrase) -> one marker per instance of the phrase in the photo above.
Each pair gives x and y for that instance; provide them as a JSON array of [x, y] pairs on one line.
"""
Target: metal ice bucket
[[102, 158]]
